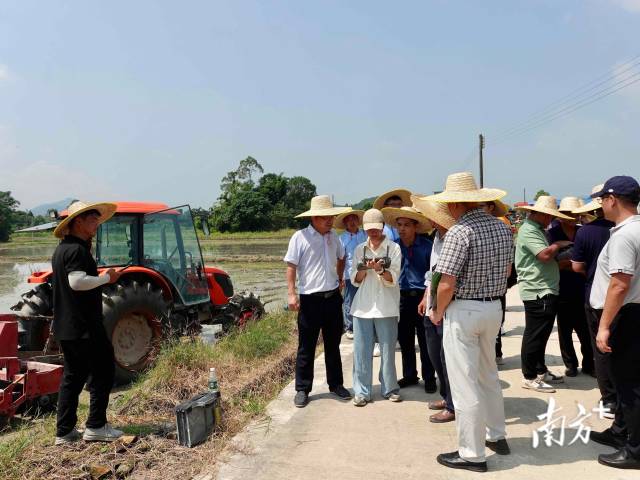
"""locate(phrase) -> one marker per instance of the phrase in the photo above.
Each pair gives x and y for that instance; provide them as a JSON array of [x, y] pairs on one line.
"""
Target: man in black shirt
[[77, 324]]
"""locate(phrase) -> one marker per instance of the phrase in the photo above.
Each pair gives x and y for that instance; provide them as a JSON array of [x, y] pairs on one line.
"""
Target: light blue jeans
[[363, 334]]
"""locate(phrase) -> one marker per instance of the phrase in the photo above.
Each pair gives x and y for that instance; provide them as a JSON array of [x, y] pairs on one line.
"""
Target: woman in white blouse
[[376, 307]]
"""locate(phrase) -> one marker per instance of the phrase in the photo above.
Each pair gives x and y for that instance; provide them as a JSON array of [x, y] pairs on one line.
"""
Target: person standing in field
[[315, 258]]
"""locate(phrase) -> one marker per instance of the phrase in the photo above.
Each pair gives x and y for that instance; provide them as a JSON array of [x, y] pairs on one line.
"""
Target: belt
[[327, 294], [412, 293], [479, 299]]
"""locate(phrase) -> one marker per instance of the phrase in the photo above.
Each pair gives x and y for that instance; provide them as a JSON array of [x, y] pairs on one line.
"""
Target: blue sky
[[157, 100]]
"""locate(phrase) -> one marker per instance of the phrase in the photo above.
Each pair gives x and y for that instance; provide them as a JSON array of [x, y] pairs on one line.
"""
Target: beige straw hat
[[594, 204], [76, 208], [461, 187], [546, 204], [373, 219], [500, 208], [339, 221], [569, 204], [435, 211], [322, 206], [405, 195], [392, 214]]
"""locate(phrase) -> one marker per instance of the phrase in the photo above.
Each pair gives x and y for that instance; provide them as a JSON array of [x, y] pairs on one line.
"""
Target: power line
[[572, 108]]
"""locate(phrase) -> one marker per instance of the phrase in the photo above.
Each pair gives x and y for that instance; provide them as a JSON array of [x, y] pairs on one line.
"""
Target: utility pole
[[481, 137]]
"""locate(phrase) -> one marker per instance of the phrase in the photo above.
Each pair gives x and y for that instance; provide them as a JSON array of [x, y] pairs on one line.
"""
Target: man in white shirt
[[615, 296], [316, 258]]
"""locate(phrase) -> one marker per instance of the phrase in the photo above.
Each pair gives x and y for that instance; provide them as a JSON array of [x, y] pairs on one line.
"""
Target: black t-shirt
[[571, 283], [76, 314]]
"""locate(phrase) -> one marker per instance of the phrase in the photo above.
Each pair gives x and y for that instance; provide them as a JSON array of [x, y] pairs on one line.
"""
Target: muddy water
[[264, 279]]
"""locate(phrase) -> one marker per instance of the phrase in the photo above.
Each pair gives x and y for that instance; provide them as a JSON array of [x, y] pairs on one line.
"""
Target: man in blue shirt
[[416, 257], [393, 199], [352, 236]]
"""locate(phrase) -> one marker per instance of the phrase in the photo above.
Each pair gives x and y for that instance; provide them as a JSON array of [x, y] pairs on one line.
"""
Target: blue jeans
[[436, 354], [349, 293], [387, 332]]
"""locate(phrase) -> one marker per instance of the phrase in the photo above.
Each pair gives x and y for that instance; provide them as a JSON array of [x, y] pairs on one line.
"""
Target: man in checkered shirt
[[474, 264]]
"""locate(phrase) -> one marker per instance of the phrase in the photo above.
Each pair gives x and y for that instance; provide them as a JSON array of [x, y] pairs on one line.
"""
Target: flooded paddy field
[[255, 265]]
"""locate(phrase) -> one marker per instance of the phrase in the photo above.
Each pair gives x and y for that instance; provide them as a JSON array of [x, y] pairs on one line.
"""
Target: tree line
[[12, 219]]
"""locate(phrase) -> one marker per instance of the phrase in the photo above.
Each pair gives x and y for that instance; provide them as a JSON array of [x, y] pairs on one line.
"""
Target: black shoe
[[407, 382], [611, 407], [301, 399], [501, 447], [430, 386], [571, 372], [606, 437], [453, 460], [620, 459], [341, 392]]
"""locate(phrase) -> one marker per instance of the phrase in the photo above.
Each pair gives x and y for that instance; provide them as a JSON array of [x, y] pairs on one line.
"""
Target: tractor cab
[[163, 240]]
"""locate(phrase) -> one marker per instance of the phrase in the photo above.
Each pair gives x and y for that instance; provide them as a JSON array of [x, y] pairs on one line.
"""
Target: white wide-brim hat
[[373, 219], [594, 204], [392, 214], [437, 212], [404, 194], [106, 211], [462, 188], [546, 204], [322, 206], [339, 221]]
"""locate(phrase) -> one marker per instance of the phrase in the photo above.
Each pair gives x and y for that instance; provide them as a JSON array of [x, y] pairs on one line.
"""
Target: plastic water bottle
[[213, 381], [213, 388]]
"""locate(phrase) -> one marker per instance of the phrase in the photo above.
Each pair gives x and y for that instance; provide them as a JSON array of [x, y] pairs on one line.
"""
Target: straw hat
[[569, 204], [373, 219], [546, 204], [339, 221], [435, 211], [461, 187], [392, 214], [76, 208], [500, 208], [322, 206], [594, 204], [405, 195]]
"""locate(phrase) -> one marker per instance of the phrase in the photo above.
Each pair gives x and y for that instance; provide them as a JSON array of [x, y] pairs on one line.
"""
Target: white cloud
[[4, 72], [628, 5]]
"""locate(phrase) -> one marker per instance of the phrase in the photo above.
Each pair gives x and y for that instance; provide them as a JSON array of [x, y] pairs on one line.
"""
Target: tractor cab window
[[171, 247], [115, 241]]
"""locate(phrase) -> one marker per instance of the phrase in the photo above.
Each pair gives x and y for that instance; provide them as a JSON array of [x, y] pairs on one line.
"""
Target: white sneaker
[[349, 335], [551, 377], [376, 350], [394, 397], [359, 401], [71, 437], [538, 385], [104, 434]]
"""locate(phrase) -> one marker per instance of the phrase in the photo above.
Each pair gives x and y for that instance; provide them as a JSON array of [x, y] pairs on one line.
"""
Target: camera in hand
[[384, 261]]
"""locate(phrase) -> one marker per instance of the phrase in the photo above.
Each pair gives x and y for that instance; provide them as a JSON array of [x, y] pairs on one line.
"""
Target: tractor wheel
[[37, 301], [134, 314]]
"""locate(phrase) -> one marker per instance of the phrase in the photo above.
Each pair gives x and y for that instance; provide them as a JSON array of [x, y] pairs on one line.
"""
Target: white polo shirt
[[621, 254], [316, 258]]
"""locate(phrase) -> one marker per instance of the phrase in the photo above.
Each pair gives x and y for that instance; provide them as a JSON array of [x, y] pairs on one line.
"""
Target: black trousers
[[503, 302], [571, 317], [410, 325], [319, 314], [625, 361], [602, 361], [436, 355], [87, 361], [539, 316]]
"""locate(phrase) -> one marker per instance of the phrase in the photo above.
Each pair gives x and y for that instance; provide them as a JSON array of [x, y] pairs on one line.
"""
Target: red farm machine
[[165, 290]]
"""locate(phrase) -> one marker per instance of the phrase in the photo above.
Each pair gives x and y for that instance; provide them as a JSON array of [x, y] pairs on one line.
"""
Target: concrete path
[[384, 440]]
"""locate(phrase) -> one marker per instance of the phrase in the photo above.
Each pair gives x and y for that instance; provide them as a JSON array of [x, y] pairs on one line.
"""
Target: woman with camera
[[376, 307]]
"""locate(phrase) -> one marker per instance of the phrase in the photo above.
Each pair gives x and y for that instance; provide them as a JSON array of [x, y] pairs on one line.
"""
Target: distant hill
[[59, 205], [364, 204]]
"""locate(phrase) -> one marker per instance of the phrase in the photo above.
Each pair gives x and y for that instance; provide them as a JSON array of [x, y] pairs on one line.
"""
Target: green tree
[[246, 210], [8, 206], [540, 193], [273, 186]]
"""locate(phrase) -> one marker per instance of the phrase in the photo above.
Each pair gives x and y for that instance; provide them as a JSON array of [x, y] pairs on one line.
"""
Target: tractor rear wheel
[[134, 314], [37, 301]]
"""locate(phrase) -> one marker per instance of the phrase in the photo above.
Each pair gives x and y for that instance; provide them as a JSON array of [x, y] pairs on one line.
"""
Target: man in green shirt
[[538, 282]]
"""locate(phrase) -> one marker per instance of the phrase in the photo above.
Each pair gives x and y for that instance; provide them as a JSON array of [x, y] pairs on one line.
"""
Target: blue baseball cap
[[621, 185]]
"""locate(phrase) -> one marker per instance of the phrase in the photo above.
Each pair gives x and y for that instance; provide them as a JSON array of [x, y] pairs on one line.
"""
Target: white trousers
[[470, 329]]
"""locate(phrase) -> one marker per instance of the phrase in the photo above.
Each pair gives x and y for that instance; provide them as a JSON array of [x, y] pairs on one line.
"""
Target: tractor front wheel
[[133, 317]]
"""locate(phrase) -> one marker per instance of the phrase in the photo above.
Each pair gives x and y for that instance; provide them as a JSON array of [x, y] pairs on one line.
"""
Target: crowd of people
[[437, 268]]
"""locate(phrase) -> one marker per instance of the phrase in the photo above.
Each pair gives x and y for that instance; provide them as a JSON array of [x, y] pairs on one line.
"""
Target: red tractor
[[165, 289]]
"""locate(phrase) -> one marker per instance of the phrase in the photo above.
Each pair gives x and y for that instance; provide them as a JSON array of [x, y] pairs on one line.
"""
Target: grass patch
[[253, 365]]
